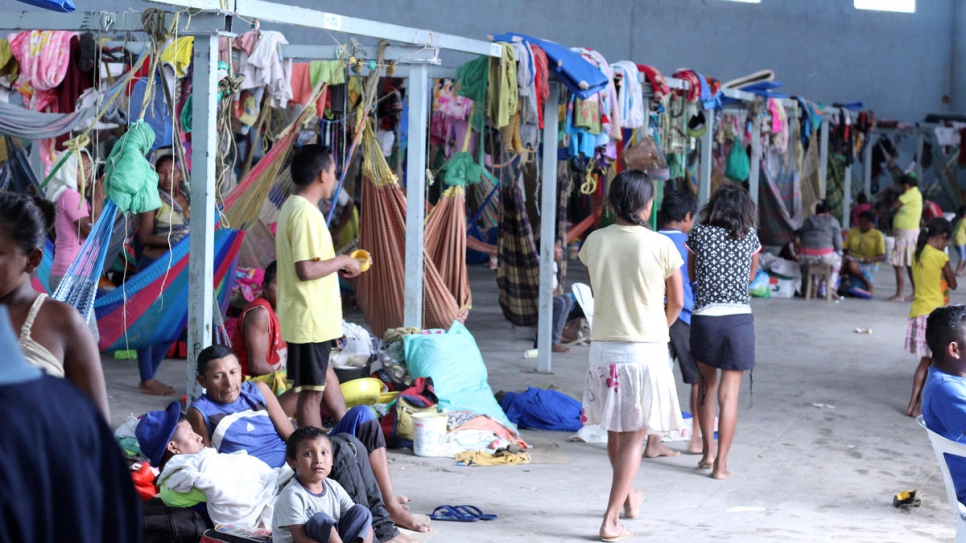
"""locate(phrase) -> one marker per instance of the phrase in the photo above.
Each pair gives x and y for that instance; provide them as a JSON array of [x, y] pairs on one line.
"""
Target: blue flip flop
[[473, 511], [450, 513]]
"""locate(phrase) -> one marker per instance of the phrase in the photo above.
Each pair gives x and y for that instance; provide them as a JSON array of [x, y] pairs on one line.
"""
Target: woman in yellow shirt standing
[[934, 278], [906, 227], [959, 240]]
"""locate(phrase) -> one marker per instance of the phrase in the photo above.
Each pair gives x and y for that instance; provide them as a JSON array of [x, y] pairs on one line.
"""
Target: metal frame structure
[[211, 19]]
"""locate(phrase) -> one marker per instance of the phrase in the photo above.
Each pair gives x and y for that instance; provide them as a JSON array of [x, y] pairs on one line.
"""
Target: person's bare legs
[[728, 391], [636, 497], [399, 514], [307, 409], [900, 285], [918, 380], [624, 450], [695, 447], [655, 448], [912, 285], [707, 409], [332, 399]]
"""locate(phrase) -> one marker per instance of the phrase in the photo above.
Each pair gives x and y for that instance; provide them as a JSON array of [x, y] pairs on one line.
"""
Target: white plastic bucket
[[429, 432]]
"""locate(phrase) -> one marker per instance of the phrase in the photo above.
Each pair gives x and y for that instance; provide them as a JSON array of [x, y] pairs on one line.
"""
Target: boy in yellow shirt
[[309, 301], [864, 249]]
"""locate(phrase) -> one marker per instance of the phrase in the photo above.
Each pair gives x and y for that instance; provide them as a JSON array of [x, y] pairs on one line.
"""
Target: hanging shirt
[[243, 425]]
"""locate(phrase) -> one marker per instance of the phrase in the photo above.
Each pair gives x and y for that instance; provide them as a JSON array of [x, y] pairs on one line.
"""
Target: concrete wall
[[900, 65]]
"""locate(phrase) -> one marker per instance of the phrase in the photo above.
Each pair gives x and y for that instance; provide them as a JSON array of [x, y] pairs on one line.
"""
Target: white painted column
[[201, 294], [867, 164], [417, 96], [707, 141], [755, 174], [823, 160], [548, 227]]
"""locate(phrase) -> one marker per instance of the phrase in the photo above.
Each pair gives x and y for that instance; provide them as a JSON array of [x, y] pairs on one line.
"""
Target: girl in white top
[[53, 335], [629, 388]]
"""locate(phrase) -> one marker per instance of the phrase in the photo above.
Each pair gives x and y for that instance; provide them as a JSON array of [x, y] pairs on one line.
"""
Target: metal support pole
[[417, 94], [704, 183], [823, 160], [755, 173], [548, 226], [203, 177], [920, 147], [867, 165], [847, 198]]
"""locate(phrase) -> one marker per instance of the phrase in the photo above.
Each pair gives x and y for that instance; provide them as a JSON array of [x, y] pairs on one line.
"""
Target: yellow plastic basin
[[363, 391]]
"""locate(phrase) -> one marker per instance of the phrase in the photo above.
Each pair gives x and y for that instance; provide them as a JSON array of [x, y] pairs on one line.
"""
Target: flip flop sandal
[[473, 511], [625, 534], [450, 513]]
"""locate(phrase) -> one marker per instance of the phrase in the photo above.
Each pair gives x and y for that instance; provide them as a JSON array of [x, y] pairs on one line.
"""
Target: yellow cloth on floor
[[502, 94], [500, 457]]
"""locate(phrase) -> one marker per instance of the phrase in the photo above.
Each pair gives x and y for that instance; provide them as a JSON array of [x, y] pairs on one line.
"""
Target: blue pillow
[[459, 374]]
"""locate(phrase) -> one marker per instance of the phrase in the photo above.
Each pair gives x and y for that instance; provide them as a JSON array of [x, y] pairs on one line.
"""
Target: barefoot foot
[[632, 506], [404, 519], [896, 298], [656, 449], [696, 447], [910, 298], [558, 348], [720, 472], [706, 462], [154, 387]]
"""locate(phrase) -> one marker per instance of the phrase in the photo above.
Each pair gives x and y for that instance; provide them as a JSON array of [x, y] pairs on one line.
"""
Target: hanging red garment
[[541, 77], [76, 81]]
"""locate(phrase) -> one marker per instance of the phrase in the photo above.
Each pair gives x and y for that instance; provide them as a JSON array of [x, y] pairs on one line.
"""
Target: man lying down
[[241, 489]]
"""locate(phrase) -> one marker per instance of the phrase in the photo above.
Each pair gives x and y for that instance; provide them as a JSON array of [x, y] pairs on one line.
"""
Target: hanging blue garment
[[158, 115], [542, 410], [582, 78]]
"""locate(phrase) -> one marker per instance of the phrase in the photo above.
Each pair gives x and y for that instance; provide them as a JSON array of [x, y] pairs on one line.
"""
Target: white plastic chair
[[942, 446]]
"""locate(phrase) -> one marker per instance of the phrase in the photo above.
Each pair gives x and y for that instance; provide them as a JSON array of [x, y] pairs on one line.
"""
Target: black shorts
[[680, 348], [307, 364], [726, 342]]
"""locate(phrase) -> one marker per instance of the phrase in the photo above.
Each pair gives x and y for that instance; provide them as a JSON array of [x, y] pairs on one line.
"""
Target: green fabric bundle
[[129, 179], [472, 79], [462, 169]]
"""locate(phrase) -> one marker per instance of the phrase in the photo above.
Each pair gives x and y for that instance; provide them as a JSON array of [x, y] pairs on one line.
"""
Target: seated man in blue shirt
[[944, 394]]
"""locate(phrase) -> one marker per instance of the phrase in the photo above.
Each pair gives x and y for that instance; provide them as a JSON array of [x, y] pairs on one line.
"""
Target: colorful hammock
[[156, 311], [79, 285], [779, 197], [16, 174], [380, 291]]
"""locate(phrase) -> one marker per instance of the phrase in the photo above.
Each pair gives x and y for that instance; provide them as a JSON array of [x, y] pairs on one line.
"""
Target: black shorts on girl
[[307, 364]]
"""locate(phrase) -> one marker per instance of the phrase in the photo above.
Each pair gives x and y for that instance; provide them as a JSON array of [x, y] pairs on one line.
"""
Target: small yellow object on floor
[[500, 457]]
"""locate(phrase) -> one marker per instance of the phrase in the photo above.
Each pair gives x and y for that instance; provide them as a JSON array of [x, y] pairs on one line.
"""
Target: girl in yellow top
[[959, 240], [934, 277]]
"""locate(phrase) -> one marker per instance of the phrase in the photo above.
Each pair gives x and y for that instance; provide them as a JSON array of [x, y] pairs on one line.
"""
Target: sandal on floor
[[450, 513], [473, 511], [625, 534]]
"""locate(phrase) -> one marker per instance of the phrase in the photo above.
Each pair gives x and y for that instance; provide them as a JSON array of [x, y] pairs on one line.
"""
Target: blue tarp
[[582, 78], [541, 409]]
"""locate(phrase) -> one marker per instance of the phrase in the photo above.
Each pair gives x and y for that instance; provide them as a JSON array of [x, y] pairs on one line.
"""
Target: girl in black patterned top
[[723, 259]]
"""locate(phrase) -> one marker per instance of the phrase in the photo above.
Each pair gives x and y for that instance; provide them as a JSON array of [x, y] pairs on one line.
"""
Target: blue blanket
[[581, 77]]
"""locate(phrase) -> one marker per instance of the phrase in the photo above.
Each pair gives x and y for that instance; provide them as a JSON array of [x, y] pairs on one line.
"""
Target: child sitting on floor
[[944, 394], [312, 507]]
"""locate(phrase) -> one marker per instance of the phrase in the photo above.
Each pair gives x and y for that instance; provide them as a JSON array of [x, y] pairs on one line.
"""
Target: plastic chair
[[818, 271], [942, 446]]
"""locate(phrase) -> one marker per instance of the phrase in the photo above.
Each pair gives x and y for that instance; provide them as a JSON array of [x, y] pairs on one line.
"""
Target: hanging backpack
[[397, 425], [738, 166]]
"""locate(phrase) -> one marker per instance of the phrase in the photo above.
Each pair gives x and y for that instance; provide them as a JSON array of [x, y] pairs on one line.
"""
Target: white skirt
[[630, 387]]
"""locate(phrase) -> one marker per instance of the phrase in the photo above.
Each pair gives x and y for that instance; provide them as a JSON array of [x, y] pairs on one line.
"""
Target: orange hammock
[[380, 291], [445, 241]]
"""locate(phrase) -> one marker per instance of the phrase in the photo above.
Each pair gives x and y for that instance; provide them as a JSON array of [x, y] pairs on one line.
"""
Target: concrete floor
[[800, 473]]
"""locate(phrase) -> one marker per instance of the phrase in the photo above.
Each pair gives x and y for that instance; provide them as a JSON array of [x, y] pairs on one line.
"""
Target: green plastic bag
[[738, 166]]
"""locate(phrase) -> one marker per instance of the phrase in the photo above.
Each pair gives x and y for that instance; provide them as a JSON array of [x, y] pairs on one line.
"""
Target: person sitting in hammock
[[158, 231], [233, 415], [53, 335]]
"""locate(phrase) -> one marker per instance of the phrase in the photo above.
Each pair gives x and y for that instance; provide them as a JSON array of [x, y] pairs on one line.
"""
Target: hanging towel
[[43, 58], [578, 75], [659, 86], [330, 72], [265, 67], [177, 54], [529, 116], [502, 94], [472, 78], [630, 97], [541, 79], [610, 115]]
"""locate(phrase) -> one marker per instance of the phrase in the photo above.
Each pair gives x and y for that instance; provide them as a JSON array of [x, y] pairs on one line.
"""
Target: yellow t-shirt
[[628, 267], [868, 245], [308, 311], [909, 215], [932, 290], [959, 237]]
